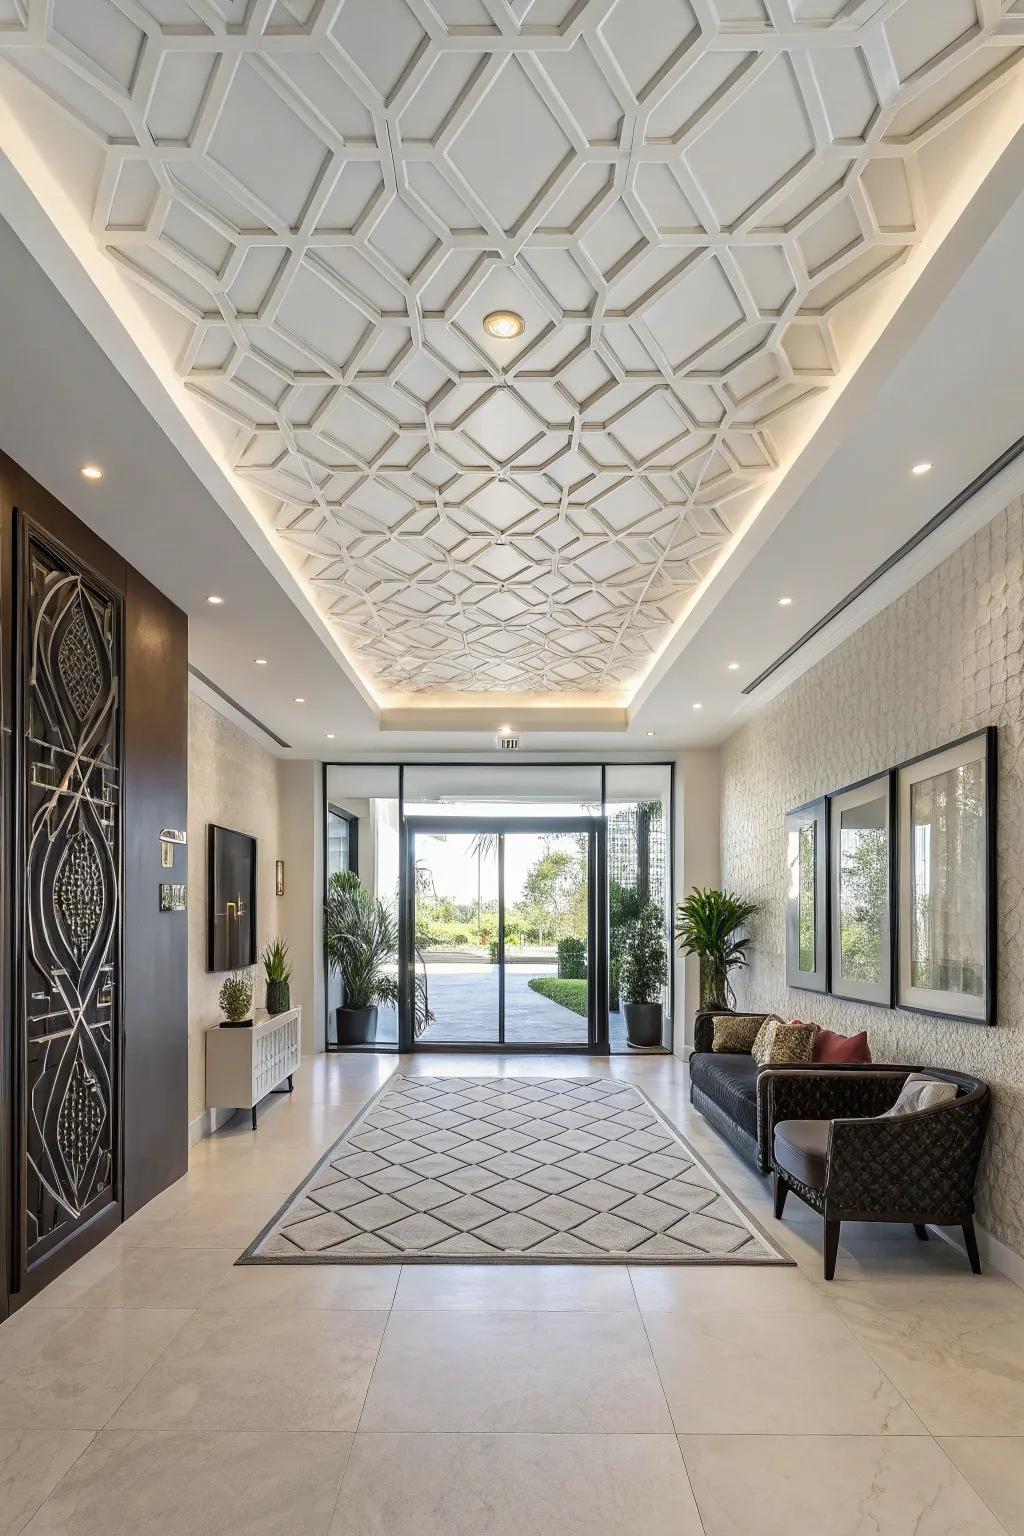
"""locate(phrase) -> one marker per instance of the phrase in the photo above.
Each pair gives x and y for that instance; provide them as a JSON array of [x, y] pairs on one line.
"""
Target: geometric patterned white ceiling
[[686, 200]]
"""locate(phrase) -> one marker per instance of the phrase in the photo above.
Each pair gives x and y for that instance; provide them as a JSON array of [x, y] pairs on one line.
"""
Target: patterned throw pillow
[[922, 1092], [779, 1044], [735, 1032]]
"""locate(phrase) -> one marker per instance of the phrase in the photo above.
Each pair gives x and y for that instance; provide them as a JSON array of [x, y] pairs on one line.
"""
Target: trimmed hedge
[[572, 959], [570, 994]]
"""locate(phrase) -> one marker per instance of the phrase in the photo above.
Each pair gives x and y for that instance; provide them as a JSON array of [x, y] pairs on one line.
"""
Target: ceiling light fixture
[[650, 733], [330, 735], [298, 700], [785, 602], [504, 324], [734, 666], [698, 706], [922, 468], [214, 600], [261, 661], [91, 472]]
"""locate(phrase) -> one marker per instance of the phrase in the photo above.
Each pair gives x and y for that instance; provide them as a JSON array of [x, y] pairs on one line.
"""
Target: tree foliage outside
[[863, 901]]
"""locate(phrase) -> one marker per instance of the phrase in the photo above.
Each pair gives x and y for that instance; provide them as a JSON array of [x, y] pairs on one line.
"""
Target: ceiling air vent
[[507, 741]]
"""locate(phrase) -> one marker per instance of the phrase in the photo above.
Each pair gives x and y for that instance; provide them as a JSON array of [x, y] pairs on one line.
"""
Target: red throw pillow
[[828, 1046]]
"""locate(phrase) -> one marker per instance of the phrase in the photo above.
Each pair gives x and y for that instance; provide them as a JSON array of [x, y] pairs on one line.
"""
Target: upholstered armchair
[[834, 1147]]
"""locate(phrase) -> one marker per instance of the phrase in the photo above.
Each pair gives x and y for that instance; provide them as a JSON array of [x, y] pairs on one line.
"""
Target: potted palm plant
[[643, 977], [278, 970], [361, 940], [707, 923]]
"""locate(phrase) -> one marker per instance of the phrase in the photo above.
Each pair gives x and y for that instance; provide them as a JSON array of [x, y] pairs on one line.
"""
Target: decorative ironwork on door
[[71, 834]]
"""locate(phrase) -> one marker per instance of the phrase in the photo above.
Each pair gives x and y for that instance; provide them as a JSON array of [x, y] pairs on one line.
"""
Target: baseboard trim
[[205, 1124], [992, 1251]]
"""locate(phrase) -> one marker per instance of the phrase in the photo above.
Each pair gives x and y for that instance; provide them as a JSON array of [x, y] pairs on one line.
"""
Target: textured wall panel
[[945, 659]]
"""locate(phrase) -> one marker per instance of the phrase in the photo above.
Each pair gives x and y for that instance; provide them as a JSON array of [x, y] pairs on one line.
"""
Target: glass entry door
[[503, 930]]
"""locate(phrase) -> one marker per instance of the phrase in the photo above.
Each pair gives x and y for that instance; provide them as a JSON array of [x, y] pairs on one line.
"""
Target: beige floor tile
[[260, 1369], [515, 1288], [28, 1331], [961, 1371], [148, 1276], [721, 1288], [32, 1463], [846, 1485], [560, 1372], [515, 1485], [994, 1467], [78, 1378], [307, 1287], [196, 1484], [802, 1372]]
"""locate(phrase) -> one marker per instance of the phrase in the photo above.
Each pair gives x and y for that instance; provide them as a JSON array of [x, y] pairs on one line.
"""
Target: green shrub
[[572, 959], [569, 992], [492, 950], [644, 960], [236, 996]]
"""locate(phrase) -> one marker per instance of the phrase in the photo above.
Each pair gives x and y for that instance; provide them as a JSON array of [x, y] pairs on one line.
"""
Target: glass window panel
[[863, 890], [503, 789], [369, 793], [947, 874], [639, 869]]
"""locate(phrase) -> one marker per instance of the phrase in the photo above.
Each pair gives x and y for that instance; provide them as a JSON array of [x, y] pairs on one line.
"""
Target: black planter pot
[[279, 996], [356, 1026], [643, 1023], [236, 1023]]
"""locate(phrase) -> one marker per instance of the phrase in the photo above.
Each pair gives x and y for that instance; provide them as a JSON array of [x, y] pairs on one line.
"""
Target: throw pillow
[[735, 1032], [828, 1046], [922, 1092], [780, 1044]]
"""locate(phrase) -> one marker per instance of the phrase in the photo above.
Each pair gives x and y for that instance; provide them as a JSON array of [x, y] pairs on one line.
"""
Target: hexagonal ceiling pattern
[[685, 200]]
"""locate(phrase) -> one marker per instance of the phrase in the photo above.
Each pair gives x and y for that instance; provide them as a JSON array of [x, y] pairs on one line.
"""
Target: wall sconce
[[279, 877]]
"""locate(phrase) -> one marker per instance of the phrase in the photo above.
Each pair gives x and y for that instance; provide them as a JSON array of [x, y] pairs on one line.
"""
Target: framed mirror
[[806, 897], [946, 808], [861, 865]]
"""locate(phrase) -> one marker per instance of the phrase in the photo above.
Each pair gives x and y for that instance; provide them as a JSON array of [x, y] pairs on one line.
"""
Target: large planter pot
[[356, 1026], [279, 996], [643, 1023]]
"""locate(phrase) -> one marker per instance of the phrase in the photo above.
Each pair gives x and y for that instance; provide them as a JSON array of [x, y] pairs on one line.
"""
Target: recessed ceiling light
[[650, 733], [698, 706], [922, 468], [91, 472], [504, 324], [299, 700], [261, 661], [214, 599], [785, 602], [330, 735], [734, 666]]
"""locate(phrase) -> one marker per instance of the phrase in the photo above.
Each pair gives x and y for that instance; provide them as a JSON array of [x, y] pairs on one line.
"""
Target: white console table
[[244, 1065]]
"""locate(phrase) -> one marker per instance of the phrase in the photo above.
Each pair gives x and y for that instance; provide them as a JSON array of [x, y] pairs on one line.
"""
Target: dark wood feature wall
[[93, 1068]]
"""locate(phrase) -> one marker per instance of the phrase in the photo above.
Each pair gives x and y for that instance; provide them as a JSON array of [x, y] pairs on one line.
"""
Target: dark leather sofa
[[732, 1095]]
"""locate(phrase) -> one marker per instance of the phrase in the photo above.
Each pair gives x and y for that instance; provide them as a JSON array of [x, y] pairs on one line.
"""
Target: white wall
[[697, 862]]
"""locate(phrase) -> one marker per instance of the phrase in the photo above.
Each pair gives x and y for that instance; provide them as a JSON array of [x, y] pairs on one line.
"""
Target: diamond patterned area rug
[[511, 1170]]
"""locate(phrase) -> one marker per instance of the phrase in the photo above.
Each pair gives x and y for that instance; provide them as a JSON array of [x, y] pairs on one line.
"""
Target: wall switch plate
[[167, 855]]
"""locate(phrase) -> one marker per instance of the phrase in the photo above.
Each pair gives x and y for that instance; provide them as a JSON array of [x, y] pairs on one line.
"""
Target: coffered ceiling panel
[[689, 203]]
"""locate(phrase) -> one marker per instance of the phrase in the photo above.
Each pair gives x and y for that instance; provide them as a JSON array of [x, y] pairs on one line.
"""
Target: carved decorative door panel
[[68, 744]]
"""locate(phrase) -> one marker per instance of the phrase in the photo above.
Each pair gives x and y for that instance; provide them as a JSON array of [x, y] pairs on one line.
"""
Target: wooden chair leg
[[971, 1244], [922, 1232], [780, 1189], [831, 1246]]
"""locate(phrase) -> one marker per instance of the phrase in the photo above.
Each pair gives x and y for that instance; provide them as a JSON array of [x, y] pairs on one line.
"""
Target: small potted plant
[[706, 926], [278, 970], [236, 1000], [643, 978]]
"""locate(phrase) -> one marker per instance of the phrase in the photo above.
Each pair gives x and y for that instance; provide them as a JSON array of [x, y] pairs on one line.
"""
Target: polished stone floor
[[157, 1389]]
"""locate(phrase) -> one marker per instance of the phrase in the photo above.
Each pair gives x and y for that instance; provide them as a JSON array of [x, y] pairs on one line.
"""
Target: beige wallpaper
[[940, 662], [233, 781]]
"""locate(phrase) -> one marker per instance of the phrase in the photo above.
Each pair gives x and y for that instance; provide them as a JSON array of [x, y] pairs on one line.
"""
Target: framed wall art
[[946, 803], [807, 897], [231, 898], [861, 819]]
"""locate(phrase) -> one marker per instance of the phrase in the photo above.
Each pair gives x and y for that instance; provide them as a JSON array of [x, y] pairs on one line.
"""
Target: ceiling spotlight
[[330, 735], [922, 468], [698, 706], [504, 324], [785, 602], [261, 661], [91, 472], [650, 733], [298, 700], [214, 600], [734, 666]]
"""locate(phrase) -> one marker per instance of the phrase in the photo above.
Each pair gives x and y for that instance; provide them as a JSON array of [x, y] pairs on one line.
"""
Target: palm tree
[[482, 846]]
